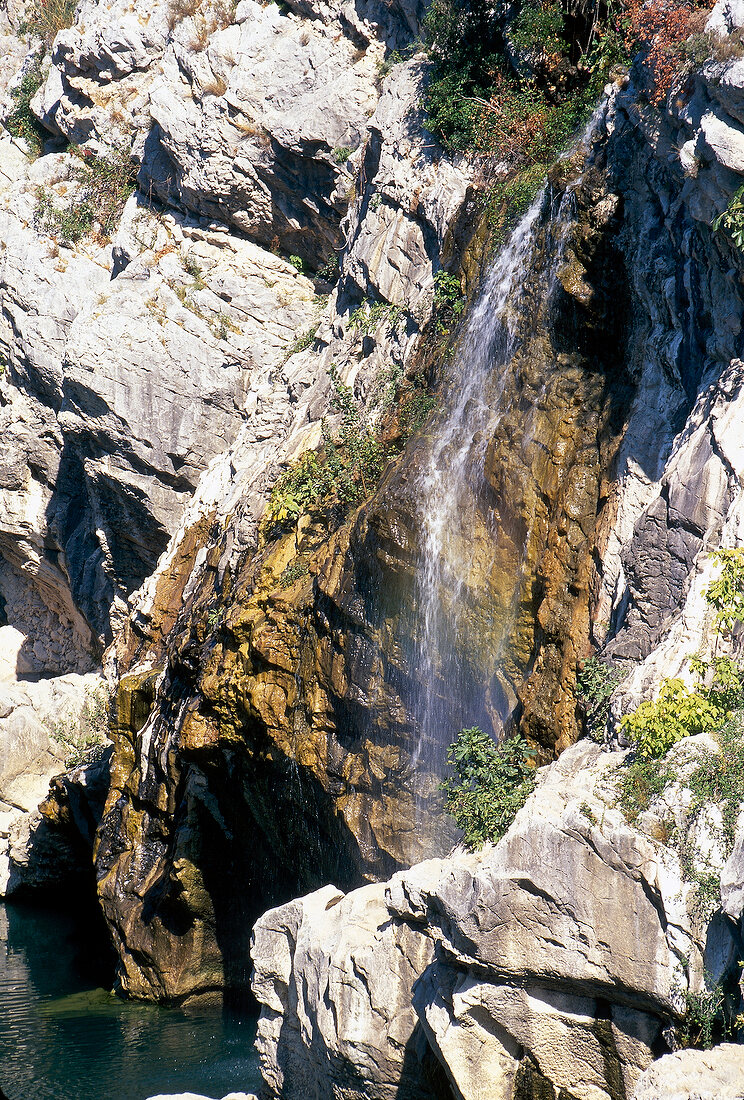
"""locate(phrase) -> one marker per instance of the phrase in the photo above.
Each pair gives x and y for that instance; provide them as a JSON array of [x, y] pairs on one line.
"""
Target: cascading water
[[455, 500]]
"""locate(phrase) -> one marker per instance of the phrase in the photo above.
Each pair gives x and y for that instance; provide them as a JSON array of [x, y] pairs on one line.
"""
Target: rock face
[[33, 856], [677, 494], [553, 961], [695, 1075]]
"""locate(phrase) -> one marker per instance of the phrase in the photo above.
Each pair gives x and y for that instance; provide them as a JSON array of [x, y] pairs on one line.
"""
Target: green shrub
[[293, 573], [490, 784], [595, 684], [342, 153], [301, 342], [83, 736], [641, 779], [658, 724], [717, 779], [677, 712], [538, 29], [104, 185], [330, 269], [415, 407], [726, 594], [367, 318], [449, 301], [703, 1014], [347, 469], [731, 221], [22, 122]]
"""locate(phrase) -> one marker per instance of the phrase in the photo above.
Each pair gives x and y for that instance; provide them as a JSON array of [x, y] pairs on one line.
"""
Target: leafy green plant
[[367, 318], [103, 186], [83, 736], [292, 573], [22, 122], [539, 30], [725, 594], [347, 468], [384, 67], [490, 784], [449, 301], [342, 153], [415, 407], [640, 780], [302, 342], [330, 269], [677, 712], [298, 262], [595, 683], [731, 221], [703, 1012]]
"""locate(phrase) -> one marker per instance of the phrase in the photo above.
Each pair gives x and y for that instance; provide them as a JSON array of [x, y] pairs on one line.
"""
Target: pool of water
[[63, 1037]]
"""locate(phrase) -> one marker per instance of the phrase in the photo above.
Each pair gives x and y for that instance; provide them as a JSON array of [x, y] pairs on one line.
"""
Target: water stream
[[453, 496]]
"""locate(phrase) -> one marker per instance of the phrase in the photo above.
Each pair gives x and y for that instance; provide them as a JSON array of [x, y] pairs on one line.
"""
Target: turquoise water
[[62, 1037]]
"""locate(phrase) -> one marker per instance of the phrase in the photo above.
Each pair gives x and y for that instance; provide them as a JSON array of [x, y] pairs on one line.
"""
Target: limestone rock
[[335, 973], [560, 954], [30, 756], [716, 1074]]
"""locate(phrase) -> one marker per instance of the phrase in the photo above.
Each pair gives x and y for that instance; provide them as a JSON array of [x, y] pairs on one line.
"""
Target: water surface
[[63, 1037]]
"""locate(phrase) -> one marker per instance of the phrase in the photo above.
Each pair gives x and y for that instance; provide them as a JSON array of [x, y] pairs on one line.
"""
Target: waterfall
[[453, 494]]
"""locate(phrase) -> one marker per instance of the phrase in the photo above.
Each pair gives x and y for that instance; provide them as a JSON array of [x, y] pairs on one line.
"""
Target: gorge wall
[[282, 706]]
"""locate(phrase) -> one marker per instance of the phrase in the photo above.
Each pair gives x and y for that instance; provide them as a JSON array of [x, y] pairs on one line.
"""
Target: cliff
[[318, 476]]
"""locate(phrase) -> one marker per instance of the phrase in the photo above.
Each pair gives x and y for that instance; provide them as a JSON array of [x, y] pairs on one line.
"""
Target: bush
[[449, 302], [103, 186], [347, 469], [478, 102], [367, 318], [22, 122], [658, 724], [595, 684], [661, 28], [46, 18], [677, 712], [83, 736], [731, 221], [490, 785]]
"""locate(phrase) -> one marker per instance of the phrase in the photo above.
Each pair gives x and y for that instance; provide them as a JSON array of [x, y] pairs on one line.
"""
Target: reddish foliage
[[661, 26]]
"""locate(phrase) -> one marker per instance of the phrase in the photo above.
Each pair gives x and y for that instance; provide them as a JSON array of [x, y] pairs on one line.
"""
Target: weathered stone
[[695, 1075], [561, 953]]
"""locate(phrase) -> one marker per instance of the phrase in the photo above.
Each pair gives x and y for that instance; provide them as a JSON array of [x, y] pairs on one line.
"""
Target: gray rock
[[560, 953], [716, 1074]]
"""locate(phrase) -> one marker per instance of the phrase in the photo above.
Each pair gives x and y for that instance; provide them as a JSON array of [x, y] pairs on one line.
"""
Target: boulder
[[553, 960], [716, 1074]]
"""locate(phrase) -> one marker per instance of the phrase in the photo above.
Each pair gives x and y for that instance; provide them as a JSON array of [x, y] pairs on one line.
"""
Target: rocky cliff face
[[550, 965], [272, 679]]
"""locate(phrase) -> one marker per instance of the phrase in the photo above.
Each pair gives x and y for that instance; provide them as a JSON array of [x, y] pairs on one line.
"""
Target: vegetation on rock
[[104, 183], [663, 29], [83, 735], [490, 784], [679, 711], [22, 122], [595, 684], [46, 18]]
